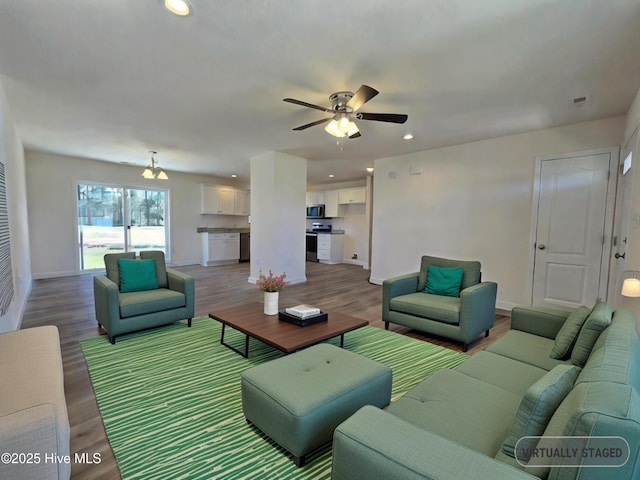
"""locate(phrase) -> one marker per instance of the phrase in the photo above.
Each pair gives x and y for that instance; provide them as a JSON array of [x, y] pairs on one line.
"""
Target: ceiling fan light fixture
[[333, 128], [344, 123], [178, 7], [353, 129]]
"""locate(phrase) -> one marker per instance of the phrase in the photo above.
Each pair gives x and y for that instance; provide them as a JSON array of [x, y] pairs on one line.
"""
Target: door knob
[[542, 246], [617, 255]]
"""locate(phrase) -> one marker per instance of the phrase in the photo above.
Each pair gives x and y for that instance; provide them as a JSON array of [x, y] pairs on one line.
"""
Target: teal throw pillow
[[137, 275], [566, 337], [539, 404], [596, 322], [444, 280]]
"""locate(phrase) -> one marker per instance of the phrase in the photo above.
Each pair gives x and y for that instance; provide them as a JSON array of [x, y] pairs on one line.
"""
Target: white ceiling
[[112, 79]]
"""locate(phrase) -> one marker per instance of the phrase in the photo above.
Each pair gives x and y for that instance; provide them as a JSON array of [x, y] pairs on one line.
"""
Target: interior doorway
[[114, 219], [573, 228]]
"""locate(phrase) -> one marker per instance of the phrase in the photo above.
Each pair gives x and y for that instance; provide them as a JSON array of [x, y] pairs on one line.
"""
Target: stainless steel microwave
[[315, 211]]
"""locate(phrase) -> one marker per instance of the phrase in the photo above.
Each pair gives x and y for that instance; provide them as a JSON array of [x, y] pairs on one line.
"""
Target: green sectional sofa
[[467, 422]]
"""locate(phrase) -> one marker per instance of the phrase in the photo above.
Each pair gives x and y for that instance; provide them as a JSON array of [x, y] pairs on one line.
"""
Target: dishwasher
[[245, 245]]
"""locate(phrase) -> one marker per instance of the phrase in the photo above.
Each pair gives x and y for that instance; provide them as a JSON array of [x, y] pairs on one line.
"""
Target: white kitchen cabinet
[[219, 248], [315, 198], [330, 248], [242, 202], [217, 200], [352, 195], [331, 204]]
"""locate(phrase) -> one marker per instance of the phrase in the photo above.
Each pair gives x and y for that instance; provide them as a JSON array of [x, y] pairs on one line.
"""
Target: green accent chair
[[463, 317], [171, 297]]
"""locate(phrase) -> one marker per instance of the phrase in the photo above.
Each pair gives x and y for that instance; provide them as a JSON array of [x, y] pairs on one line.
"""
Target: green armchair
[[139, 295], [461, 314]]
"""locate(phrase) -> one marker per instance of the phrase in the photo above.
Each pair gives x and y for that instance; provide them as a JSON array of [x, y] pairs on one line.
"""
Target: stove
[[312, 239], [320, 227]]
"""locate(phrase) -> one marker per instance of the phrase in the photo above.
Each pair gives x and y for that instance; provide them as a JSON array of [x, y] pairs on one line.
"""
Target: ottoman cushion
[[298, 400]]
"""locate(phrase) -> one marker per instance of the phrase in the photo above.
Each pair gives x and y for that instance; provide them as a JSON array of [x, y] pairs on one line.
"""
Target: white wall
[[51, 193], [633, 118], [472, 202], [632, 137], [12, 156]]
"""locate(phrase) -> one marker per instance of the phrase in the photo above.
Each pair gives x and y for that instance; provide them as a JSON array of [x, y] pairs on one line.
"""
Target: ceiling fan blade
[[317, 122], [305, 104], [362, 96], [355, 135], [383, 117]]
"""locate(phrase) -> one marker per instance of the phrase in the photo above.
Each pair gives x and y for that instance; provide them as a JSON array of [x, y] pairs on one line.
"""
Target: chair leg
[[189, 323], [386, 325], [465, 347], [486, 334], [112, 339]]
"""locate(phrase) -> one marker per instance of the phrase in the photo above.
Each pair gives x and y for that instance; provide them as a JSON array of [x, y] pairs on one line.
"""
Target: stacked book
[[302, 311], [302, 315]]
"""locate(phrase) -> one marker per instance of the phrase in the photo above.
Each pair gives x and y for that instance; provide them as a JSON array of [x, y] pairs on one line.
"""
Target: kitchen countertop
[[223, 230]]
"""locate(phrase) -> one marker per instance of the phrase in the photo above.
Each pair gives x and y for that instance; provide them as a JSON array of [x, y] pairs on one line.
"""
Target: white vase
[[271, 303]]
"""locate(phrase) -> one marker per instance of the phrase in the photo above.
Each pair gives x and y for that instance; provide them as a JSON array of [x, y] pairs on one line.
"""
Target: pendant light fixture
[[153, 171]]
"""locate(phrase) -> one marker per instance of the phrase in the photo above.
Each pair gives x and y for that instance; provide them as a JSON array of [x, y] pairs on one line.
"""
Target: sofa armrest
[[106, 300], [33, 433], [478, 308], [181, 282], [396, 286], [541, 321], [374, 444]]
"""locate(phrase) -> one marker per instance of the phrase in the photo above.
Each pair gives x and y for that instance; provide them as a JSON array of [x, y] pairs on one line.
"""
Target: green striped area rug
[[171, 406]]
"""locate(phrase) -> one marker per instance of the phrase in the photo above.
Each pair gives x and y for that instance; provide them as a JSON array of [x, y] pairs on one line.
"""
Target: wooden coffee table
[[286, 337]]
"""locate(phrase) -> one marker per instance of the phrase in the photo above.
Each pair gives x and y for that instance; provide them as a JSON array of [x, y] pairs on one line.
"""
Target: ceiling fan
[[344, 109]]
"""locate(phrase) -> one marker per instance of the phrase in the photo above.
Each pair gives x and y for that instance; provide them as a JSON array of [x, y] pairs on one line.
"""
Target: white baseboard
[[41, 276], [23, 307], [505, 305], [350, 261]]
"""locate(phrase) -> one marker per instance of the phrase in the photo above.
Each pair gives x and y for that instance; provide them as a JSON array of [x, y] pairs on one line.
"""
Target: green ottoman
[[300, 399]]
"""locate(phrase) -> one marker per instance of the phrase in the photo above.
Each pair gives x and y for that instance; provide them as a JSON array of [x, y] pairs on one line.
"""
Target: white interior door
[[571, 231]]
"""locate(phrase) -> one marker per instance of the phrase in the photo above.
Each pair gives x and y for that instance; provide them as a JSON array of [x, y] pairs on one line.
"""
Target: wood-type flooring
[[67, 302]]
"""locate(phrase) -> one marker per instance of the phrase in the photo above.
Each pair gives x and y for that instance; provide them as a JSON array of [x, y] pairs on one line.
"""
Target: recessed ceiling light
[[233, 175], [179, 7], [331, 175], [370, 169], [408, 136]]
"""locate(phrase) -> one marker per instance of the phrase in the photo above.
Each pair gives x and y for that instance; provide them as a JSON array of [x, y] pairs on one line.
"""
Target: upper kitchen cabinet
[[222, 200], [242, 203], [331, 204], [315, 198], [352, 195]]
